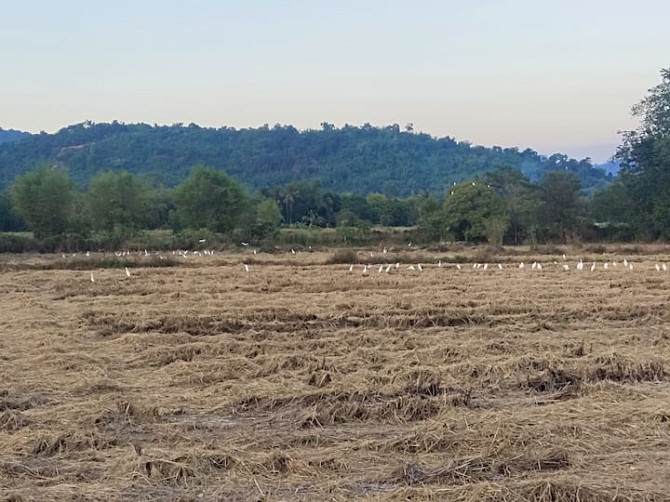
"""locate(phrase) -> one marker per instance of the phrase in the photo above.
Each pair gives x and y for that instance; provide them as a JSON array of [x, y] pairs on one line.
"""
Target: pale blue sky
[[549, 75]]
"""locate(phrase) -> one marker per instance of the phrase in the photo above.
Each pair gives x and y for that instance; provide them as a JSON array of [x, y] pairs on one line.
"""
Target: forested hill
[[357, 159], [9, 135]]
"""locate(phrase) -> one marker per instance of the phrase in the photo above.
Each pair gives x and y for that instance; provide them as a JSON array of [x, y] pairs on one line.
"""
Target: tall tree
[[645, 161], [210, 199], [563, 207], [473, 210], [118, 203], [44, 198], [521, 199]]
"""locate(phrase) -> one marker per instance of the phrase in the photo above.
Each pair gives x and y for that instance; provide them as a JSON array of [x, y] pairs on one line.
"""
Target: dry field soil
[[299, 380]]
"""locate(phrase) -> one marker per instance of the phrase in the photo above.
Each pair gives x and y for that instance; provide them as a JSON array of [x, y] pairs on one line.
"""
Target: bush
[[17, 243], [343, 256]]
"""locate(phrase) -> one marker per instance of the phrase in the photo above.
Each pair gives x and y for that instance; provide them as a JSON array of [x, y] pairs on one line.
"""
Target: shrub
[[343, 256]]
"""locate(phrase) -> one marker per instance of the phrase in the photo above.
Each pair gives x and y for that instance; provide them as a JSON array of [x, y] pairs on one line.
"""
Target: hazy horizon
[[553, 77]]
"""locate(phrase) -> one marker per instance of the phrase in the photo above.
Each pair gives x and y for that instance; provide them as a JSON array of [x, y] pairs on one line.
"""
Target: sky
[[554, 76]]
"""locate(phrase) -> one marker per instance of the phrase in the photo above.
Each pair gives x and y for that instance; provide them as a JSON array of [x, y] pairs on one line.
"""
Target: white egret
[[593, 267], [521, 265], [246, 268], [657, 267], [127, 272], [458, 266], [566, 267], [500, 266], [92, 278], [351, 268]]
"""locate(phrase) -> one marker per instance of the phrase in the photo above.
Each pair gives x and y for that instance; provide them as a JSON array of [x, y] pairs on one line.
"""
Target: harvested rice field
[[299, 380]]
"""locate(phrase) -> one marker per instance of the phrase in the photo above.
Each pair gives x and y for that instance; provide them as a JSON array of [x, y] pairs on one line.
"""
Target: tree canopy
[[362, 160], [645, 161], [44, 199]]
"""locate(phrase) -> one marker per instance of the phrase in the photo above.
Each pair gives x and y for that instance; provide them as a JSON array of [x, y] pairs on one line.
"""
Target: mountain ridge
[[361, 159]]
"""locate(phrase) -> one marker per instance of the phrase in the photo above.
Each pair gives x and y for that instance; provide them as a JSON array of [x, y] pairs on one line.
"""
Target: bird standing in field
[[92, 278], [127, 272], [246, 268]]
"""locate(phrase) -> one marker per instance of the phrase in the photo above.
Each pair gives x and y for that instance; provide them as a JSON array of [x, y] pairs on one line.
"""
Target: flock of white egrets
[[579, 266], [388, 267]]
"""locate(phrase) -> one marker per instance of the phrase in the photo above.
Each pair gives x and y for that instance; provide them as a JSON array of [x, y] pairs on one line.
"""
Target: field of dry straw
[[301, 381]]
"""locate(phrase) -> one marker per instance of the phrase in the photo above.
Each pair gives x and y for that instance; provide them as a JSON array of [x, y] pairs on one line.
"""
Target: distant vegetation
[[8, 136], [362, 160], [106, 185]]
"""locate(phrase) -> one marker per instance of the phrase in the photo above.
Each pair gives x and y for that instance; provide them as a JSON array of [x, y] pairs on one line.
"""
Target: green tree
[[645, 161], [470, 208], [563, 208], [521, 199], [44, 198], [268, 219], [118, 203], [210, 199], [9, 220], [613, 204]]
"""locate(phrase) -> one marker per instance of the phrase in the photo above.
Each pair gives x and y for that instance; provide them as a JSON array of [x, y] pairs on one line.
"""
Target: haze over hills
[[9, 135], [362, 159]]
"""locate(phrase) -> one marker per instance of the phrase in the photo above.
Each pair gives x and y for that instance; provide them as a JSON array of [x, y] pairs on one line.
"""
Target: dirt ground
[[299, 380]]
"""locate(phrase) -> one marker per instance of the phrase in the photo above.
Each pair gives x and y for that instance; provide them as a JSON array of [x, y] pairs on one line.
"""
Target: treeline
[[639, 201], [11, 135], [392, 160], [501, 206]]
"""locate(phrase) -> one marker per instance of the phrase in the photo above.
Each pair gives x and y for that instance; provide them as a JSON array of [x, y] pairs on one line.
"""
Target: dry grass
[[301, 381]]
